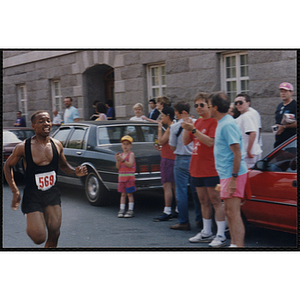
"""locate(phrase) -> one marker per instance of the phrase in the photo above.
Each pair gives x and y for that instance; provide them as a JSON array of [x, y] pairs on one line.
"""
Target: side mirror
[[261, 165]]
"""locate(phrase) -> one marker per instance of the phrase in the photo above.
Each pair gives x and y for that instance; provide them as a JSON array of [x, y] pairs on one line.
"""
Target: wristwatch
[[194, 130], [235, 175]]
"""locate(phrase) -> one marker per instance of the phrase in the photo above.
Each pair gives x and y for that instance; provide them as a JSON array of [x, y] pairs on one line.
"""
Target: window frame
[[238, 78], [54, 96], [160, 85], [23, 102]]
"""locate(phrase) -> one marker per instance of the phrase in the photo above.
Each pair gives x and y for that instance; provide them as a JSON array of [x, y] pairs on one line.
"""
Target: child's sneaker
[[129, 214], [121, 213]]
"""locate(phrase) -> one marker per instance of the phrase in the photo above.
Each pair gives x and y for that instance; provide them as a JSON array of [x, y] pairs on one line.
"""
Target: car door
[[75, 146], [274, 191], [73, 140]]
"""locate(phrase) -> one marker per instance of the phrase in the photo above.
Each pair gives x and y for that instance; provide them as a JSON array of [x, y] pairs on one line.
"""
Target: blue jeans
[[182, 179]]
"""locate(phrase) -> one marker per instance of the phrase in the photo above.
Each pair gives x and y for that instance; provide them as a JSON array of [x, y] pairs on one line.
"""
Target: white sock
[[168, 210], [130, 205], [233, 246], [221, 228], [122, 206], [176, 209], [207, 226]]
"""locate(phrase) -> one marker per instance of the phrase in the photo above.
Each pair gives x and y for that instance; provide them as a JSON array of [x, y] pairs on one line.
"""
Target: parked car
[[273, 182], [95, 144], [12, 136]]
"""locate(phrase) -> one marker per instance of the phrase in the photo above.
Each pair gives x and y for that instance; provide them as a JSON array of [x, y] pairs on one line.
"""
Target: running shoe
[[201, 237], [218, 242], [163, 217]]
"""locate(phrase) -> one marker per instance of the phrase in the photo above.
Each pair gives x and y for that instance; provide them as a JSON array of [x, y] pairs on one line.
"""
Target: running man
[[41, 198]]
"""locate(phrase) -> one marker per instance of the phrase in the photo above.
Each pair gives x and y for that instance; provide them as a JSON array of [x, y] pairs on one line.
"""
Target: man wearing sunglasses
[[203, 172], [288, 105], [250, 130]]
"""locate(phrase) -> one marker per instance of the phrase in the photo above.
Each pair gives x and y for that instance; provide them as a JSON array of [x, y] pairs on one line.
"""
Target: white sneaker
[[201, 237], [218, 242], [129, 214], [121, 213]]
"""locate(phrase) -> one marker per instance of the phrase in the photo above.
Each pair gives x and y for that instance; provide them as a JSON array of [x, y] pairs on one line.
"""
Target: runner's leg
[[36, 227], [53, 216]]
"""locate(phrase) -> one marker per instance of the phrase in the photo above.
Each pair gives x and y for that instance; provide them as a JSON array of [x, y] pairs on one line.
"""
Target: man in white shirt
[[57, 120], [250, 130]]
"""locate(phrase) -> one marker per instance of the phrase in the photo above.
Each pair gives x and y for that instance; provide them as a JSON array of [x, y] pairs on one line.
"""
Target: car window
[[77, 139], [113, 134], [285, 160], [133, 132], [9, 137], [22, 134], [62, 134], [149, 133]]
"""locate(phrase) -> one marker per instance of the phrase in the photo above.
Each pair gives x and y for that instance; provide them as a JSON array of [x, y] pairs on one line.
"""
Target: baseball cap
[[127, 138], [286, 86], [169, 111]]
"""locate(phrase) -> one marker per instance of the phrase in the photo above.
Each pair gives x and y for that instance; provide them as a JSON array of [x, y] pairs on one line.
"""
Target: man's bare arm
[[13, 159]]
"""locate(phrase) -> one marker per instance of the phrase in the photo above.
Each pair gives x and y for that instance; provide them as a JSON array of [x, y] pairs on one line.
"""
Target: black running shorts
[[35, 200]]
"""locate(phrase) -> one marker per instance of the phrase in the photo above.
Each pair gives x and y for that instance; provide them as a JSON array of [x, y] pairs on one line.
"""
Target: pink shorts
[[240, 187], [126, 187]]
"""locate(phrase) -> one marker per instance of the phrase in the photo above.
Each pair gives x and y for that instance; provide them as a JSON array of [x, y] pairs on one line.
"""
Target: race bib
[[45, 181]]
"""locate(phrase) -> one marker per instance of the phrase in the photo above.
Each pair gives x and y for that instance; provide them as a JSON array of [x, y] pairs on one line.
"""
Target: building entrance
[[98, 84]]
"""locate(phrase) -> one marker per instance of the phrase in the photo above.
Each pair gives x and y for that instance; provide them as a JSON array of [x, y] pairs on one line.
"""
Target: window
[[56, 96], [22, 100], [285, 160], [62, 135], [234, 74], [140, 134], [157, 81], [77, 140]]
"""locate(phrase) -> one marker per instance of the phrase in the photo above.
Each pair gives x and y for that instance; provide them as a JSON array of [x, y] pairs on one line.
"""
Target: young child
[[125, 162]]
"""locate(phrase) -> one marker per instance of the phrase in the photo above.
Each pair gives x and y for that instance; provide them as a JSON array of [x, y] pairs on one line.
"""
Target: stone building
[[40, 79]]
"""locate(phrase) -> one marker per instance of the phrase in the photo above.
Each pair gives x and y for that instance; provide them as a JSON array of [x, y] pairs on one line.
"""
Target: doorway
[[98, 84]]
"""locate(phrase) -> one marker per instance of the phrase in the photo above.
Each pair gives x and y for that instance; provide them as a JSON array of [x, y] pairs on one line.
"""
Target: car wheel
[[95, 192]]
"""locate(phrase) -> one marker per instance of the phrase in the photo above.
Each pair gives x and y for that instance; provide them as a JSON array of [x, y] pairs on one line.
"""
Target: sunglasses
[[200, 104], [239, 103]]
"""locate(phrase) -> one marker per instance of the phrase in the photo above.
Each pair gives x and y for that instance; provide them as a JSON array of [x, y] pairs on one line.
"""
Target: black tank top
[[40, 177]]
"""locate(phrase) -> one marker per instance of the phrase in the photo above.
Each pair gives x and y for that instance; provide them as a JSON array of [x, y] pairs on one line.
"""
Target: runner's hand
[[81, 171], [16, 200]]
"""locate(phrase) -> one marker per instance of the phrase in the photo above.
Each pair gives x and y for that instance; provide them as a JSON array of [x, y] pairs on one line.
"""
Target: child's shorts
[[126, 187], [240, 187]]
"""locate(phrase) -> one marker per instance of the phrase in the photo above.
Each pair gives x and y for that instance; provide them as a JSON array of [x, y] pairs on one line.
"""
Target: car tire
[[95, 191]]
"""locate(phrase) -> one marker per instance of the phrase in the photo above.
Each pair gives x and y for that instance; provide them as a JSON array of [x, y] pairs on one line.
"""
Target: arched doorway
[[98, 84]]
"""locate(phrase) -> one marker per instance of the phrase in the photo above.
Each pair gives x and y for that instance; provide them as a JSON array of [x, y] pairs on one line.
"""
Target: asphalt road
[[86, 227]]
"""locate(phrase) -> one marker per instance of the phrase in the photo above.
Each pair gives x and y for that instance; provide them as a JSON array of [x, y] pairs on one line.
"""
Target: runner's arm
[[13, 159], [65, 166]]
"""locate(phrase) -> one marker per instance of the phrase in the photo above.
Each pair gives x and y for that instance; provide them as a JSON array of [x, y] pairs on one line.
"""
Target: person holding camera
[[288, 106]]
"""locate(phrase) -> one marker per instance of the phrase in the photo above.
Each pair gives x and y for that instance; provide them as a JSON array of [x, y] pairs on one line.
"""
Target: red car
[[273, 183]]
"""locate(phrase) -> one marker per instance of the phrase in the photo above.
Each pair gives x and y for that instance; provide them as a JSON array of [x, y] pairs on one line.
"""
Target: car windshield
[[9, 137], [139, 133]]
